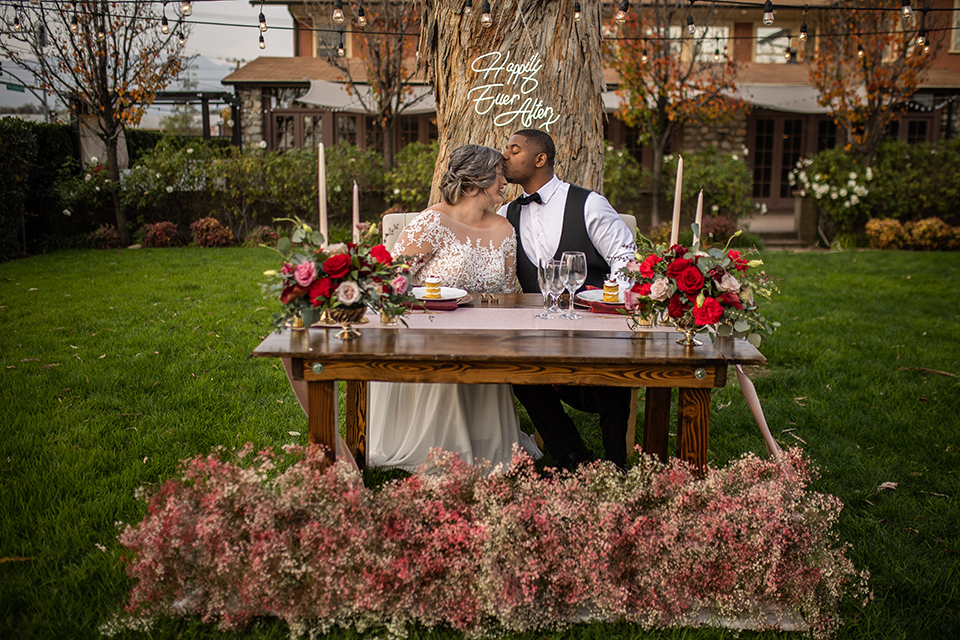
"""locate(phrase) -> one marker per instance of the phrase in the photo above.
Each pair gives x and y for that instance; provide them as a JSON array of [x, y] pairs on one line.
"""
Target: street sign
[[15, 87]]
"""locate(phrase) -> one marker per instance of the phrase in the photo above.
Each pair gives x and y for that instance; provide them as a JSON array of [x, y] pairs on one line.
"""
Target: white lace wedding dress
[[478, 421]]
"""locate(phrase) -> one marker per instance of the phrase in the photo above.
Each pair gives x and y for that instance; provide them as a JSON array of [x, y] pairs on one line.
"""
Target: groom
[[551, 217]]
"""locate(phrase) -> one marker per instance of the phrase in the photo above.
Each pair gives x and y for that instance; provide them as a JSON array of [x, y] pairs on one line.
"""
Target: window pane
[[772, 44], [715, 40], [916, 131], [826, 135], [374, 135], [763, 158], [347, 129], [792, 138], [284, 135], [312, 130]]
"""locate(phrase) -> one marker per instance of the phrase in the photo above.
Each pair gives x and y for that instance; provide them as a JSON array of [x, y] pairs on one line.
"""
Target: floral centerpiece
[[699, 290], [335, 278]]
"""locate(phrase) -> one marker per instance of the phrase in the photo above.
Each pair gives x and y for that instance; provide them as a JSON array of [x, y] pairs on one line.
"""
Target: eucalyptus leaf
[[297, 236], [741, 325], [283, 245], [724, 330], [316, 238], [754, 339]]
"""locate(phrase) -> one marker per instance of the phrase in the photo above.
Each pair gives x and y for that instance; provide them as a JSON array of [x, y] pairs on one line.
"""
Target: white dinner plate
[[446, 293], [596, 295]]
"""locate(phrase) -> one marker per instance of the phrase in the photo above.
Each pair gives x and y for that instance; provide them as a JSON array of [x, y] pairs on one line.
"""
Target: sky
[[221, 46]]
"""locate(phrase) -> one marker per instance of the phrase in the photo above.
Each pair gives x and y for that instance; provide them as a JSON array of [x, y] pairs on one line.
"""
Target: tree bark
[[570, 81]]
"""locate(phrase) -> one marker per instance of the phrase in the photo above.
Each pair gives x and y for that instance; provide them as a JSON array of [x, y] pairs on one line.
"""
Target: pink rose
[[348, 292], [660, 290], [399, 285], [305, 273]]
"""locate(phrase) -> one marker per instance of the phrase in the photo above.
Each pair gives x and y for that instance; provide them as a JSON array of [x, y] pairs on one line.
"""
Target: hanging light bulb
[[74, 24], [576, 12], [164, 24], [183, 40], [468, 7], [16, 23], [263, 44], [803, 32], [361, 16], [101, 35], [338, 11], [263, 22], [860, 50], [691, 28], [716, 54], [622, 9], [922, 37], [787, 54], [906, 10], [341, 51], [767, 13], [186, 8], [643, 55], [486, 20]]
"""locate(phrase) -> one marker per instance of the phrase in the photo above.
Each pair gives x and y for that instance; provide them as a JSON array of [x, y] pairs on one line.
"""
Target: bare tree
[[868, 64], [668, 80], [386, 45], [535, 66], [101, 58]]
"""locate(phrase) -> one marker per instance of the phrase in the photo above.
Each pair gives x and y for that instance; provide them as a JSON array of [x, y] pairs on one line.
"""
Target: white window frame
[[955, 34], [773, 52]]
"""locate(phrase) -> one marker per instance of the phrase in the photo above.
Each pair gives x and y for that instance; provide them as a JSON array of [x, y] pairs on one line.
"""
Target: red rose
[[337, 266], [690, 280], [730, 299], [739, 262], [381, 255], [641, 289], [321, 288], [677, 267], [291, 293], [678, 306], [709, 313], [646, 267]]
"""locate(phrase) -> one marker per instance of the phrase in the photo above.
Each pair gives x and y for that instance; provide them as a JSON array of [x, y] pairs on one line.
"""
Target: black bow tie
[[533, 197]]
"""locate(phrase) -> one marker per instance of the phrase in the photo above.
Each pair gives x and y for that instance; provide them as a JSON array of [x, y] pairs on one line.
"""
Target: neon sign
[[507, 91]]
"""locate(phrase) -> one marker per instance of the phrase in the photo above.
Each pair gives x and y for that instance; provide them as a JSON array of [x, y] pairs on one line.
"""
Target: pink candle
[[675, 224], [356, 212], [322, 190], [699, 218]]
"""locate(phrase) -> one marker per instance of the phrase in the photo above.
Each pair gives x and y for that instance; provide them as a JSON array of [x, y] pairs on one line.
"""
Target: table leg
[[656, 422], [356, 421], [321, 415], [693, 427]]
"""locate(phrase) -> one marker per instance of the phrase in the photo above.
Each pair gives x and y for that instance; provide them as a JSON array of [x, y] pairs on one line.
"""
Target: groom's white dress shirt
[[542, 224]]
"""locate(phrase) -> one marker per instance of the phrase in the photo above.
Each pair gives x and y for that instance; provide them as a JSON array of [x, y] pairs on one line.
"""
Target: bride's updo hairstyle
[[470, 169]]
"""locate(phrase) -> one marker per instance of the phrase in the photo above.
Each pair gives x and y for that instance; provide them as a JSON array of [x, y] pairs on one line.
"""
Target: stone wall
[[251, 118], [727, 137]]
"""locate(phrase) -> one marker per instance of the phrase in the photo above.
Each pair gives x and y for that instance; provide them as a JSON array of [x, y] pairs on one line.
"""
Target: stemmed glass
[[546, 275], [556, 288], [573, 272]]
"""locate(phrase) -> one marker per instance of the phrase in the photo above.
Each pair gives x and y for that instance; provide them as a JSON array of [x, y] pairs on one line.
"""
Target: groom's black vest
[[573, 237]]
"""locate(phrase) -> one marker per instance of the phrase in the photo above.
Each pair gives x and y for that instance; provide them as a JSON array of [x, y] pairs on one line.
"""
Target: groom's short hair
[[540, 141]]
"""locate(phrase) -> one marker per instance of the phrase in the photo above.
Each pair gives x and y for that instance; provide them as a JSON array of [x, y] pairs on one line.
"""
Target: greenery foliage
[[105, 237], [18, 148], [159, 235], [623, 178], [208, 232], [407, 185], [929, 234], [916, 181], [725, 179]]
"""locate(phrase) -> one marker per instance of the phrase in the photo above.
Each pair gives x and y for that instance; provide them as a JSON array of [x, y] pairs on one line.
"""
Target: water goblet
[[573, 271], [546, 273], [556, 288]]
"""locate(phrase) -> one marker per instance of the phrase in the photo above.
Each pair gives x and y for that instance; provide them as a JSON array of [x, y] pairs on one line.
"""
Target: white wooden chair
[[393, 224]]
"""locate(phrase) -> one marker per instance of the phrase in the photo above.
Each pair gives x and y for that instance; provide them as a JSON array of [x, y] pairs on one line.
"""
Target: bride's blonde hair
[[471, 166]]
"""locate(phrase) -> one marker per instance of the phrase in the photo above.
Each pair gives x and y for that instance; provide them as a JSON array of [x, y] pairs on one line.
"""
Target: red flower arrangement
[[699, 290]]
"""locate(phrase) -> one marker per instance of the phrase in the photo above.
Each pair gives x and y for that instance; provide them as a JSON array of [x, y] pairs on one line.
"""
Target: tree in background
[[183, 118], [100, 58], [868, 64], [670, 79], [382, 83]]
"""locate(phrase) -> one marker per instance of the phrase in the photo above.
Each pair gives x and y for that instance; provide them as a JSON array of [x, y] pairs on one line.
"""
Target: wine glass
[[546, 274], [556, 288], [573, 272]]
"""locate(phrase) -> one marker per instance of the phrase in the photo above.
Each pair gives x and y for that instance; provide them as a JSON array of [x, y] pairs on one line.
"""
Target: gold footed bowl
[[689, 329], [346, 317]]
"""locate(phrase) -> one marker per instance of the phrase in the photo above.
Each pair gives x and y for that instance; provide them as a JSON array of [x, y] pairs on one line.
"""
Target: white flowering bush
[[838, 184]]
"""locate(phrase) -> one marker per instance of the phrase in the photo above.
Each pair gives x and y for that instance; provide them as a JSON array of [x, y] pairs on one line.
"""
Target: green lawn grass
[[118, 364]]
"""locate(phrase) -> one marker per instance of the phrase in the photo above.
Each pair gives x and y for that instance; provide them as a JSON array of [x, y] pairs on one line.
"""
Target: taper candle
[[699, 218], [675, 224], [356, 212], [322, 191]]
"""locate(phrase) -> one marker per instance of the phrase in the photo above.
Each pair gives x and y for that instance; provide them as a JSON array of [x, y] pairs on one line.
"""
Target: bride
[[467, 245]]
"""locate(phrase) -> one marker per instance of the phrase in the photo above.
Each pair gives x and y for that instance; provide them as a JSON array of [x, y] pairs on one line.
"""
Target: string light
[[183, 40], [338, 11], [922, 34], [691, 28], [803, 25], [341, 50], [164, 25], [74, 24], [787, 54], [468, 7], [263, 44], [860, 50], [361, 16], [767, 13], [16, 23], [186, 8], [486, 20], [263, 20], [643, 56], [906, 10], [576, 12], [622, 9]]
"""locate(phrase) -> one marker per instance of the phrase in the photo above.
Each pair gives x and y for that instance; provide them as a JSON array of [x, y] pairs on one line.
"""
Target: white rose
[[67, 212], [854, 199], [336, 249], [715, 208], [853, 176], [96, 188], [869, 173], [94, 159], [728, 283], [735, 156], [169, 189], [190, 150], [262, 144], [396, 191], [348, 292], [843, 193], [660, 290]]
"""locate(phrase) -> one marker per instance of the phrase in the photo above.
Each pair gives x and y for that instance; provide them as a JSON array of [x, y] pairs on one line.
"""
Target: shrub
[[18, 146], [160, 235], [347, 163], [623, 178], [262, 235], [208, 232], [106, 237], [724, 178], [931, 234], [408, 185], [839, 183], [85, 192], [909, 189], [886, 233]]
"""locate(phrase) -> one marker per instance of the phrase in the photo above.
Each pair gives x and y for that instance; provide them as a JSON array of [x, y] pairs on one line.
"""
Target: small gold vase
[[686, 325], [347, 316]]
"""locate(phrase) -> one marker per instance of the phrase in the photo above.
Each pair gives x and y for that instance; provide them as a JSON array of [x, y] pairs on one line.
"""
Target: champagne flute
[[556, 288], [573, 271], [546, 274]]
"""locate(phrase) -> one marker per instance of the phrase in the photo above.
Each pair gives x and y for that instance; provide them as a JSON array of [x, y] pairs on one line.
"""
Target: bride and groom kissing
[[471, 240]]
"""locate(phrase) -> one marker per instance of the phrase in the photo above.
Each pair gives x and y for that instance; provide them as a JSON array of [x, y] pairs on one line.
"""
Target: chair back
[[393, 224]]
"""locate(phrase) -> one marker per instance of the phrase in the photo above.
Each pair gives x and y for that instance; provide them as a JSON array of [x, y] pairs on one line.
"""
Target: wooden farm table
[[562, 355]]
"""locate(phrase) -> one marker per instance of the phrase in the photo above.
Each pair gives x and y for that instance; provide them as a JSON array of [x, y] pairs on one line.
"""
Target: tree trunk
[[113, 168], [558, 91], [389, 153]]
